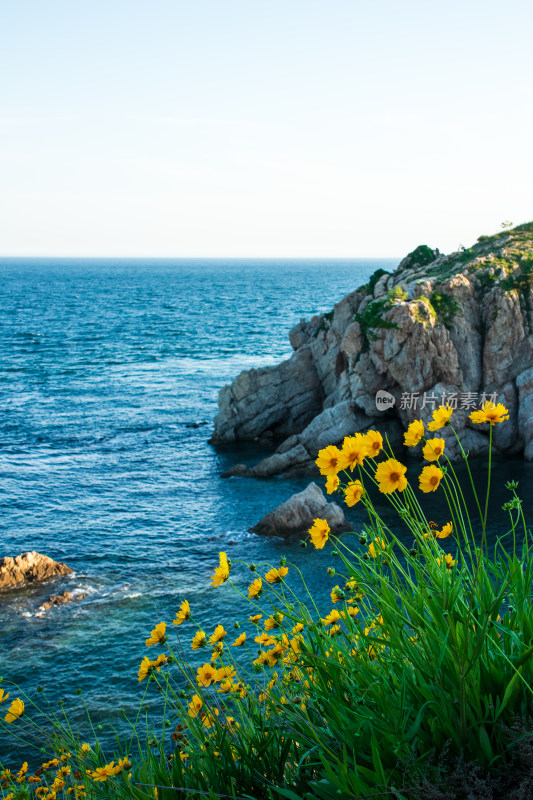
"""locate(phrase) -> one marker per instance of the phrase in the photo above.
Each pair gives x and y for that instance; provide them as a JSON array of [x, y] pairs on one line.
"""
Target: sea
[[109, 376]]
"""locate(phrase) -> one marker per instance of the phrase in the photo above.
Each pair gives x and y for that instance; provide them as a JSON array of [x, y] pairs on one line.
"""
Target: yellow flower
[[103, 773], [433, 449], [335, 596], [199, 640], [21, 774], [332, 617], [319, 533], [240, 640], [205, 675], [441, 417], [374, 443], [381, 543], [226, 674], [265, 639], [332, 483], [217, 651], [157, 635], [390, 476], [144, 669], [195, 706], [490, 413], [255, 618], [220, 576], [334, 630], [274, 655], [209, 720], [354, 451], [353, 492], [223, 560], [3, 696], [429, 478], [183, 614], [218, 635], [328, 460], [297, 628], [273, 622], [122, 764], [255, 588], [447, 561], [260, 660], [414, 433], [446, 530], [15, 710], [276, 575]]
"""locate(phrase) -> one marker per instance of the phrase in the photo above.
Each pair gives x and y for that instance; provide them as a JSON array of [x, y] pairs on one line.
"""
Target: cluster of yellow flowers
[[46, 786], [389, 475]]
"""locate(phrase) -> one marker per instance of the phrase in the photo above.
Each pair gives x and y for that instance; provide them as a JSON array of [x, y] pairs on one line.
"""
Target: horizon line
[[203, 258]]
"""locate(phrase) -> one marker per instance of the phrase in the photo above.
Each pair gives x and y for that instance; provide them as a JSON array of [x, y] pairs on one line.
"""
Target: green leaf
[[378, 766]]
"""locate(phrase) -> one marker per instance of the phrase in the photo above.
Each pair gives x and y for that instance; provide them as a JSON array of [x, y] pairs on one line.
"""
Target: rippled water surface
[[110, 372]]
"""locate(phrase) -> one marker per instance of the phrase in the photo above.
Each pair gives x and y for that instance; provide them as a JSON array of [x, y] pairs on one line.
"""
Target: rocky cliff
[[457, 328]]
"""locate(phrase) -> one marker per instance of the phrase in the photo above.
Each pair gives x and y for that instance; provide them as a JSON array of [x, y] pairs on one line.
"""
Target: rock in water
[[60, 599], [29, 568], [294, 517]]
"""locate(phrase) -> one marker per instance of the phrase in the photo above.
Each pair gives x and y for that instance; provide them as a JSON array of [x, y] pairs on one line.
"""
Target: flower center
[[394, 476], [434, 480]]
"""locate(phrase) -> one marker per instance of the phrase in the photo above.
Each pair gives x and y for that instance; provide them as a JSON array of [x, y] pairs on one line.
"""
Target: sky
[[296, 128]]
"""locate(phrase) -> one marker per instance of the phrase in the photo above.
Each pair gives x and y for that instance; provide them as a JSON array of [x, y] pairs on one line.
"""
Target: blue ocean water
[[110, 371], [109, 375]]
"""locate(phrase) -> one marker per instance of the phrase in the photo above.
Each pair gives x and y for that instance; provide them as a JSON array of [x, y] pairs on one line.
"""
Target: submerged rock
[[455, 328], [29, 568], [60, 599], [294, 517]]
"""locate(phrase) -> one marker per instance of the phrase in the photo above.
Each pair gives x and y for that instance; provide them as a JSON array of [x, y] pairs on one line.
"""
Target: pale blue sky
[[247, 128]]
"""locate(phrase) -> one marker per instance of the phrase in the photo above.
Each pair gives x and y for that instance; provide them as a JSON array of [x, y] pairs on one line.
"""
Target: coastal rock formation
[[294, 517], [29, 568], [454, 328], [60, 599]]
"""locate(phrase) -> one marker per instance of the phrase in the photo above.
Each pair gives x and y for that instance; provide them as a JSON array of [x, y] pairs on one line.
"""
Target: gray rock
[[281, 462], [282, 399], [524, 384], [295, 516]]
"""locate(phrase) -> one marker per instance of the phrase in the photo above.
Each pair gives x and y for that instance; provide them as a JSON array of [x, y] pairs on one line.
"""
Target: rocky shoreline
[[456, 328]]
